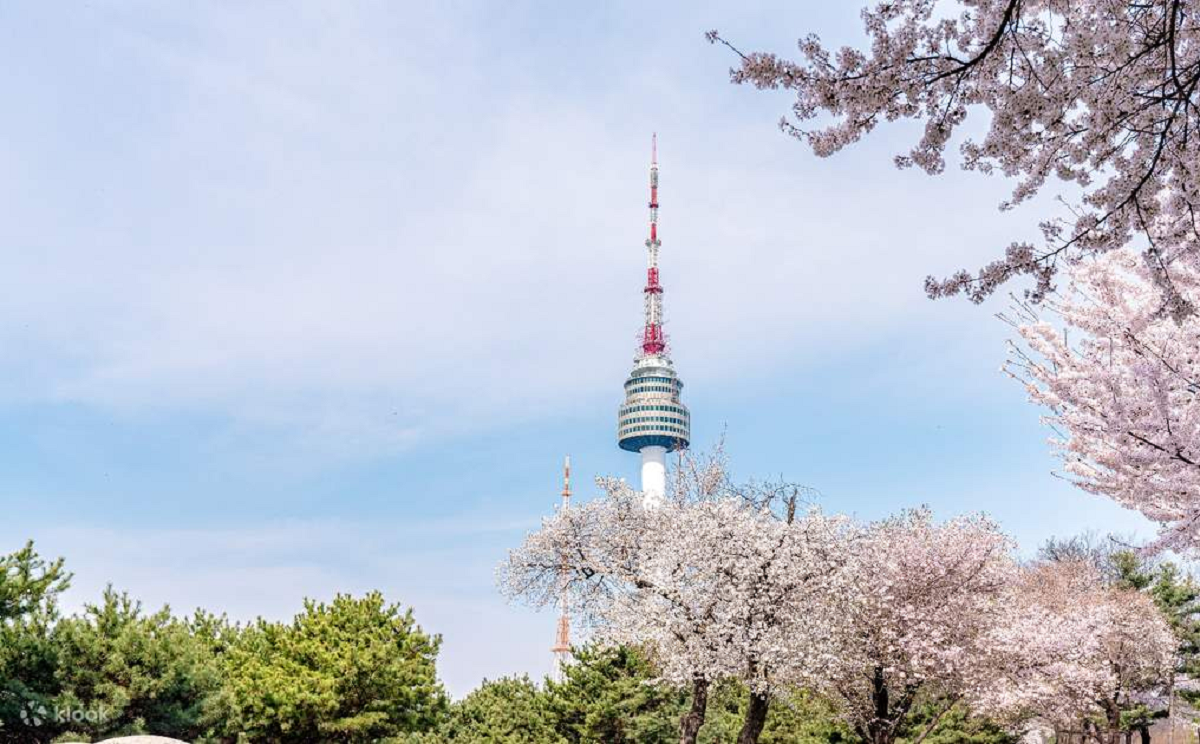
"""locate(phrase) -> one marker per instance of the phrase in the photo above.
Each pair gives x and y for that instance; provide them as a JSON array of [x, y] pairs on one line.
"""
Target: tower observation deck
[[653, 420]]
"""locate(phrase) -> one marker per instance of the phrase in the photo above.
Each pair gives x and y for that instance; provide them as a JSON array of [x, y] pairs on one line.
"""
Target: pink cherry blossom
[[1071, 647], [1102, 96], [1118, 371]]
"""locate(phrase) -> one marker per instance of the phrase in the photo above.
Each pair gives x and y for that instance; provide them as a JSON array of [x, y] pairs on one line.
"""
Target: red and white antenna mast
[[654, 341], [562, 639]]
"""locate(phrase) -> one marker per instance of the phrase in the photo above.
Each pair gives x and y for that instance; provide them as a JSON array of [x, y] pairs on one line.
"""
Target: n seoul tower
[[652, 421]]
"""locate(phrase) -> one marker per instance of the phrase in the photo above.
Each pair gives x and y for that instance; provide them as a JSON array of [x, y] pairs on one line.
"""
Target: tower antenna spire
[[654, 341], [562, 638]]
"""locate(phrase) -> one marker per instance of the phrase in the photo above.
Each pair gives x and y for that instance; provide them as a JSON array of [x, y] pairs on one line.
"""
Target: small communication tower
[[562, 638]]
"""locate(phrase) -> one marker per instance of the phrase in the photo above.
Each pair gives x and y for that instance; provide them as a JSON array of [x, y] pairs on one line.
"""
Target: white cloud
[[322, 229]]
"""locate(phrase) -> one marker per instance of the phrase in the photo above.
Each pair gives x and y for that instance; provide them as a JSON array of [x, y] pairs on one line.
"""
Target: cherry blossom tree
[[1072, 648], [1120, 379], [922, 600], [757, 592], [1101, 95], [711, 583], [721, 582]]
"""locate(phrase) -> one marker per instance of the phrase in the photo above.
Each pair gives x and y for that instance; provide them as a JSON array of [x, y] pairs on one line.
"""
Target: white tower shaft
[[654, 474]]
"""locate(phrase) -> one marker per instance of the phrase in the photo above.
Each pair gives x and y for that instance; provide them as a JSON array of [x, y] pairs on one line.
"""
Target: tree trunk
[[689, 726], [1145, 733], [1113, 714], [880, 728], [756, 718]]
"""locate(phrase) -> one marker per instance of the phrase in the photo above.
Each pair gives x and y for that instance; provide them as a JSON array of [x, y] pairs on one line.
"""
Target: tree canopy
[[1099, 95]]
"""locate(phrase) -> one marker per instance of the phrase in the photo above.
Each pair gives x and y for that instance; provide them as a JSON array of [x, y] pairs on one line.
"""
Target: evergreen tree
[[511, 710], [1177, 595], [354, 670], [956, 726], [126, 672], [29, 591], [607, 695], [799, 718]]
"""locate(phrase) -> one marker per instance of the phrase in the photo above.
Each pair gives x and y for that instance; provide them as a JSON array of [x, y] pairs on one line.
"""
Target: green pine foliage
[[126, 672], [607, 695], [511, 710], [956, 726], [799, 718], [610, 695], [29, 590], [1177, 594], [358, 670], [354, 670]]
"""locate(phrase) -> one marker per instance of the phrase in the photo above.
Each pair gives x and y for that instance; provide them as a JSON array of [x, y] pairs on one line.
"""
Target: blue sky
[[300, 298]]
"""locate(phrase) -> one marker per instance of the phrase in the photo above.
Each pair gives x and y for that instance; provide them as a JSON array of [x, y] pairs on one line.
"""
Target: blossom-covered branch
[[1102, 95], [1120, 375]]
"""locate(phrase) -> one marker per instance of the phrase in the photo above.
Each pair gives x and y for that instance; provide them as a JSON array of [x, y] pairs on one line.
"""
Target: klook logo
[[36, 714]]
